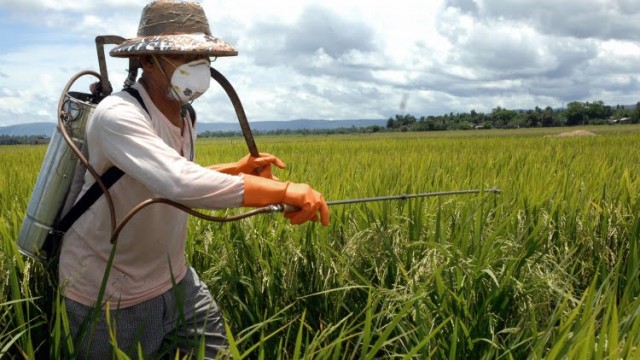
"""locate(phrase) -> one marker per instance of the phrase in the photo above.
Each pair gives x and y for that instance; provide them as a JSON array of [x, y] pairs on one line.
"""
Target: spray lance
[[253, 150], [54, 194]]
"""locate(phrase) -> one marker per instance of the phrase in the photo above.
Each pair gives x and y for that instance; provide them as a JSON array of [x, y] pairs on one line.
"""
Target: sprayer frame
[[104, 89]]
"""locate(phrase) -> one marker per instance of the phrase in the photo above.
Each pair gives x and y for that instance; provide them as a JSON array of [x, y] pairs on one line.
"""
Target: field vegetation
[[548, 269]]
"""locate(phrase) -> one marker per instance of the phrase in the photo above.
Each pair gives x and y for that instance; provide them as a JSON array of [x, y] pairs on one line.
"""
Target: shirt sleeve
[[129, 142]]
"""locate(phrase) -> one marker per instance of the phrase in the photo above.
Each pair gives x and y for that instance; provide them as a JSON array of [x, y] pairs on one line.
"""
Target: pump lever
[[104, 87]]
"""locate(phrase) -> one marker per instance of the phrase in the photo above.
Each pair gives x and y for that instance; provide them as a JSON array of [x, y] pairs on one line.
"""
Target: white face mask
[[190, 80]]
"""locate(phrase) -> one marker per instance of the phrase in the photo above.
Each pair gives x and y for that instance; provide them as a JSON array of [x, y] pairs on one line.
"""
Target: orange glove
[[262, 192], [250, 164]]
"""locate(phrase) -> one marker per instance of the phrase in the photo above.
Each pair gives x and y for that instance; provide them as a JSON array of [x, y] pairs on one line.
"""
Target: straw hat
[[171, 27]]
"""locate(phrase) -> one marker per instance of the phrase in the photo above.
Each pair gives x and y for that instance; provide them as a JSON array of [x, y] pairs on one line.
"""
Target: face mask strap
[[157, 63], [183, 107]]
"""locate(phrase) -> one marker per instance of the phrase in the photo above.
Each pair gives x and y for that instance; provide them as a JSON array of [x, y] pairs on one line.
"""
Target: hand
[[262, 192], [260, 166], [308, 201]]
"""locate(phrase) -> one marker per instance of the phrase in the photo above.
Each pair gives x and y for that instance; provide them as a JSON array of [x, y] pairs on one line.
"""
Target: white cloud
[[65, 5], [341, 59]]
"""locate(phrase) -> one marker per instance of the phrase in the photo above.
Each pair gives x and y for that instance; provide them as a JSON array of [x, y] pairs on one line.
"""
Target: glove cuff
[[259, 191]]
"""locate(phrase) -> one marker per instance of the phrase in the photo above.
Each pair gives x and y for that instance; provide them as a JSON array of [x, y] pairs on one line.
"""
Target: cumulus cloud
[[535, 51], [320, 41], [346, 59], [602, 19], [78, 19], [76, 5], [320, 28]]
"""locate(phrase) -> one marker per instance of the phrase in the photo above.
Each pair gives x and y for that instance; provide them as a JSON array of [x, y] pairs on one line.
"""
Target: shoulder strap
[[192, 114], [136, 94], [89, 198]]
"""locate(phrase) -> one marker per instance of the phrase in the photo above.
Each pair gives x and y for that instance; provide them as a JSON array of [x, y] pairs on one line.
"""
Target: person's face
[[166, 65], [190, 78], [169, 63]]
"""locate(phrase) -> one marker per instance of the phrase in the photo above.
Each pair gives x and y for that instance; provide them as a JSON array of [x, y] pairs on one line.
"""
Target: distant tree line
[[334, 131], [23, 140], [576, 113]]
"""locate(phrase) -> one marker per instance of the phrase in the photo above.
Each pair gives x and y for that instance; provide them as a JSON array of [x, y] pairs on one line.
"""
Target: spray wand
[[253, 150], [248, 136]]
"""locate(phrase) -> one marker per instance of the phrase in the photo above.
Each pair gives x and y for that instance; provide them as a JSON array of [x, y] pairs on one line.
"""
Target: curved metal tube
[[142, 205], [117, 227], [253, 150], [248, 135], [62, 117], [237, 105]]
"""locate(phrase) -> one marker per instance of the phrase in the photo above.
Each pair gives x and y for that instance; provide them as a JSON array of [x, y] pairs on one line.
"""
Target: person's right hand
[[309, 203]]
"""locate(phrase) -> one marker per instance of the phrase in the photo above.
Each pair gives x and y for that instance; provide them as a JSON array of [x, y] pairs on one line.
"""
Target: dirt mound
[[576, 133]]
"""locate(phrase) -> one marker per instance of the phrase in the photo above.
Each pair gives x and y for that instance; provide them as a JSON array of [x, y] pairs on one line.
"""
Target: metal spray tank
[[60, 179]]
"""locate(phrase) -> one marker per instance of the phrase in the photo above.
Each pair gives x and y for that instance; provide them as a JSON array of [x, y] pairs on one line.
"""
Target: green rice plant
[[546, 269]]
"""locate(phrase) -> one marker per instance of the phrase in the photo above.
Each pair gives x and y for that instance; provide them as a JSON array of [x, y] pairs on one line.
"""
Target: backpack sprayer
[[60, 179]]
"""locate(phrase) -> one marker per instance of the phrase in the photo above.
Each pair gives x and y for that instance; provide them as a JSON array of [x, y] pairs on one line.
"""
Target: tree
[[548, 117], [403, 122], [533, 118], [502, 117], [635, 114], [575, 113], [391, 124], [597, 110]]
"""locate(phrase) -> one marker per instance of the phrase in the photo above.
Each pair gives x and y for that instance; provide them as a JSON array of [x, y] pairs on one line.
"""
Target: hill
[[30, 129], [46, 129], [301, 124]]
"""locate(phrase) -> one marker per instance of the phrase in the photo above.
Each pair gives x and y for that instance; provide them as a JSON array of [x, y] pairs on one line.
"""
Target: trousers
[[180, 320]]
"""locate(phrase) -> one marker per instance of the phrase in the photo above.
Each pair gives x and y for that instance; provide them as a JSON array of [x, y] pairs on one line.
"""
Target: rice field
[[549, 268]]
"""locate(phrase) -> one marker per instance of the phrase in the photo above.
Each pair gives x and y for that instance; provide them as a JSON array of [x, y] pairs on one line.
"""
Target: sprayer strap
[[89, 198], [136, 94], [133, 92]]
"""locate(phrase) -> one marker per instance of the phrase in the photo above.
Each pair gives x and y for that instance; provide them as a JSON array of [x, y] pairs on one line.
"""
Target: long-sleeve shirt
[[153, 153]]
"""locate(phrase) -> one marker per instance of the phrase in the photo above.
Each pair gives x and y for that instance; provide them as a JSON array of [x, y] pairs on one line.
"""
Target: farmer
[[152, 141]]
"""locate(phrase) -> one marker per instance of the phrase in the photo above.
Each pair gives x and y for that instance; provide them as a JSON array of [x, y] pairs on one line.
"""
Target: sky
[[346, 59]]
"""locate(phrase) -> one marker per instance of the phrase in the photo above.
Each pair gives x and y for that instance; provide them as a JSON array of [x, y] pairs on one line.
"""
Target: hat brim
[[179, 44]]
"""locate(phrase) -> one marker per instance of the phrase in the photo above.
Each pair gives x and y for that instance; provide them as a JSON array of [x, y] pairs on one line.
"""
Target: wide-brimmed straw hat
[[170, 27]]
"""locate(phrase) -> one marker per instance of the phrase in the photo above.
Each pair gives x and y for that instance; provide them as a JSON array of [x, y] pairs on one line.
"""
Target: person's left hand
[[260, 166]]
